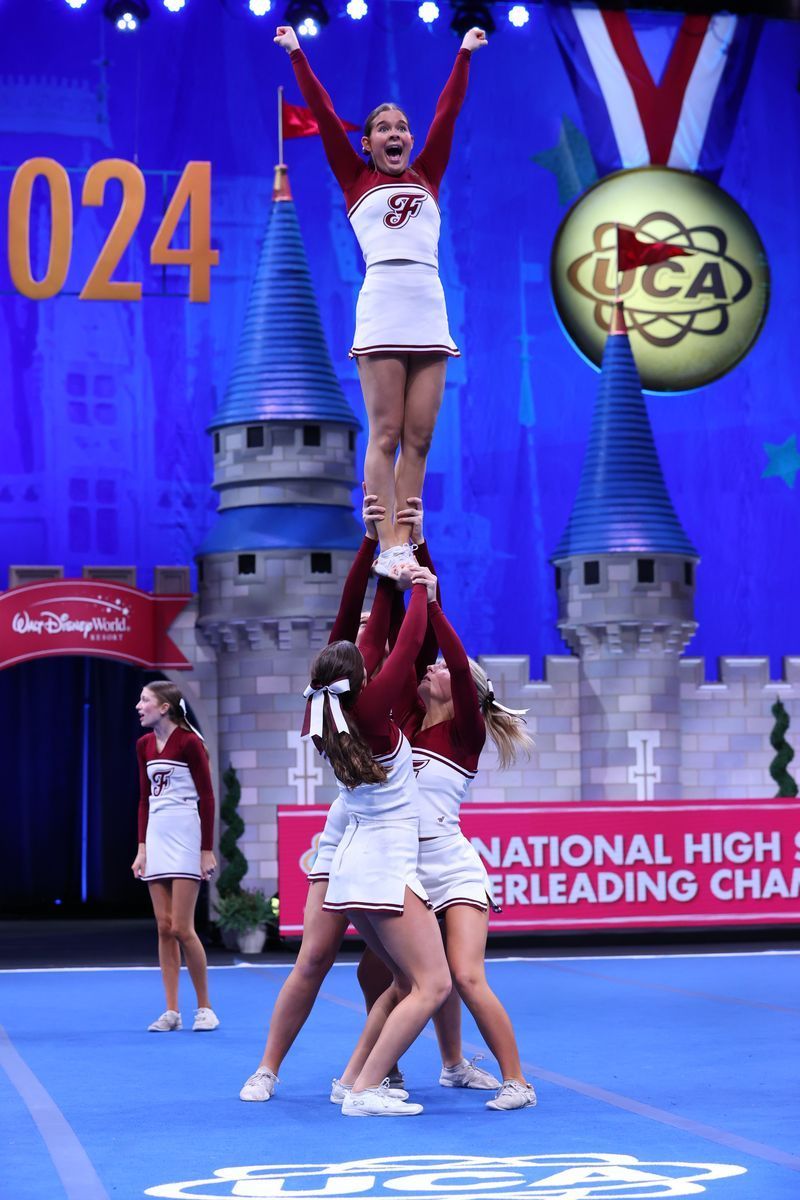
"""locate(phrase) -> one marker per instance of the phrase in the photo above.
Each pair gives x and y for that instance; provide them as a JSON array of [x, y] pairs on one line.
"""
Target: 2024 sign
[[193, 192]]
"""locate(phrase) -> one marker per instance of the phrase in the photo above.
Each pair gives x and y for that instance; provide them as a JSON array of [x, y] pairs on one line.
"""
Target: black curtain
[[47, 705]]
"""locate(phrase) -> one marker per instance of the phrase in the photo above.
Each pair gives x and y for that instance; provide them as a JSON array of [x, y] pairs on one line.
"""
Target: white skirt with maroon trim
[[172, 843], [401, 309], [451, 872], [374, 864], [332, 834]]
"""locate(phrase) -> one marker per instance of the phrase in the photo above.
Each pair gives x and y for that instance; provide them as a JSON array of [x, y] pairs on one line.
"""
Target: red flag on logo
[[300, 122], [632, 253]]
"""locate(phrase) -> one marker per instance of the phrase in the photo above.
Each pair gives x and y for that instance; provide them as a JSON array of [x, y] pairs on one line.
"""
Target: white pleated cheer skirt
[[401, 309], [172, 843], [451, 872], [332, 834], [374, 864]]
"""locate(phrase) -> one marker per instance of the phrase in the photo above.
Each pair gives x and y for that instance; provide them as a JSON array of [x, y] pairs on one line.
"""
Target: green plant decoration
[[231, 876], [787, 786], [243, 910]]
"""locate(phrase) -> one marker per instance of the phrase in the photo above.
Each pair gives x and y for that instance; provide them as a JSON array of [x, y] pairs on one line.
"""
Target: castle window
[[216, 443], [255, 436], [312, 435], [351, 440], [321, 564], [645, 570], [246, 564], [591, 573], [688, 574], [558, 579]]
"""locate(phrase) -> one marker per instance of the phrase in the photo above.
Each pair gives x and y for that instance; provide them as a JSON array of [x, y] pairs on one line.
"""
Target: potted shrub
[[246, 914]]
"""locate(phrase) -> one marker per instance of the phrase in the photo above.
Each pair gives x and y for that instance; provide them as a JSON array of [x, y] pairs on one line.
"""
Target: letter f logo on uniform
[[403, 206]]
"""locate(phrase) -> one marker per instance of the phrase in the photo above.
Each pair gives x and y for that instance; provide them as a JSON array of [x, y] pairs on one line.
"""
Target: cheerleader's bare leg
[[169, 952], [423, 399], [447, 1023], [412, 941], [383, 383], [467, 929], [322, 937], [184, 900]]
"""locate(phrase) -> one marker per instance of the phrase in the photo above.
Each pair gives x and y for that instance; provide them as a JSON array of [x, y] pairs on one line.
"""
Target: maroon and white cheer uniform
[[396, 219], [376, 860], [445, 757], [176, 805]]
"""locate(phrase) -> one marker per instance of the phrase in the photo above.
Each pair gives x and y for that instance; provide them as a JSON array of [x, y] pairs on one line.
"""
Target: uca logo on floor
[[459, 1177]]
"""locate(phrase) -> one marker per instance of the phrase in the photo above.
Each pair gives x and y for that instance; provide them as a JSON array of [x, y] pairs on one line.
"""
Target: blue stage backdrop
[[104, 456]]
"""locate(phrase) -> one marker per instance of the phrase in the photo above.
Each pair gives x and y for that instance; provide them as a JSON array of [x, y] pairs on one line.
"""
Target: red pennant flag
[[632, 253], [300, 122]]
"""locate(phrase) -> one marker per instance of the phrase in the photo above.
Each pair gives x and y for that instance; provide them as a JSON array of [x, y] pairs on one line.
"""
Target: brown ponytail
[[167, 692], [348, 753], [507, 731]]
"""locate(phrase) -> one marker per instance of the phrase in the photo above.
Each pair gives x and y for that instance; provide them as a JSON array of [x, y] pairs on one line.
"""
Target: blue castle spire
[[622, 505], [283, 369]]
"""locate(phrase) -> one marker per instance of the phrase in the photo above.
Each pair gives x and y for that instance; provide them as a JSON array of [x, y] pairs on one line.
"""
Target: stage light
[[76, 3], [428, 12], [260, 8], [127, 15], [306, 16], [357, 9], [174, 5], [468, 14], [519, 16]]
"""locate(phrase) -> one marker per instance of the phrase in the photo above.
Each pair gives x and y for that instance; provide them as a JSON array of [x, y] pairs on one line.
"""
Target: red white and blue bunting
[[686, 119]]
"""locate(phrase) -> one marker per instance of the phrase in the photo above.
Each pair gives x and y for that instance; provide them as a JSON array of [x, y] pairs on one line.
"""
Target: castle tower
[[625, 578], [272, 568]]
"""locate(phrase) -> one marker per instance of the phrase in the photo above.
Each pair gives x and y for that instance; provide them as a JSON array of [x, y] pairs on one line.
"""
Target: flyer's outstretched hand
[[473, 39], [285, 36]]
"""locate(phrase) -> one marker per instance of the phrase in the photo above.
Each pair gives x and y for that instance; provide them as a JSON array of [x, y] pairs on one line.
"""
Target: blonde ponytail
[[505, 726]]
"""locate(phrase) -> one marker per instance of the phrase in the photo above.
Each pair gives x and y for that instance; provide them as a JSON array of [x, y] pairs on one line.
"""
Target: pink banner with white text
[[607, 866]]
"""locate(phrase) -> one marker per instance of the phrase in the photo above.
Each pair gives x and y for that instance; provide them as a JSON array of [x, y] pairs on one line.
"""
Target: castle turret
[[272, 568], [625, 577]]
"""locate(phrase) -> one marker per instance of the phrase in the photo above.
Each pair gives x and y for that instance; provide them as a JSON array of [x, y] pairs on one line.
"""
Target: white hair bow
[[317, 697], [512, 712]]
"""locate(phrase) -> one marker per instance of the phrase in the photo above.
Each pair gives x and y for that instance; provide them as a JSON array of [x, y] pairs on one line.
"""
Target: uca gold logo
[[691, 317]]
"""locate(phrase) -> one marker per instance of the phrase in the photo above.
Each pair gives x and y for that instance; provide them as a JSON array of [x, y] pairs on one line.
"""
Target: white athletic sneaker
[[260, 1085], [166, 1023], [377, 1102], [467, 1075], [339, 1090], [395, 562], [513, 1095], [205, 1019]]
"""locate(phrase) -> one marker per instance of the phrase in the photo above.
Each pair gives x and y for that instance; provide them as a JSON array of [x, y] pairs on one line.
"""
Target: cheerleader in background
[[175, 842]]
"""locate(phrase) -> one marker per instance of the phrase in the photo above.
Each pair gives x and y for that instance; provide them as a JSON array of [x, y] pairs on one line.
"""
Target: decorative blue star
[[784, 460], [570, 160]]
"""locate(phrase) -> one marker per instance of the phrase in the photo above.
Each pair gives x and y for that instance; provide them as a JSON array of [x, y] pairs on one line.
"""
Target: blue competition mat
[[658, 1076]]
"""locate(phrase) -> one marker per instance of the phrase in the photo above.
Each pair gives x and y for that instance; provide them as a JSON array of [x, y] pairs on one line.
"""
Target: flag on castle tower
[[632, 252], [300, 122]]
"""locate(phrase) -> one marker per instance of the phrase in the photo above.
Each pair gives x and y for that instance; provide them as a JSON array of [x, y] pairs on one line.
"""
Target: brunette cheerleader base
[[401, 309], [374, 864], [172, 843]]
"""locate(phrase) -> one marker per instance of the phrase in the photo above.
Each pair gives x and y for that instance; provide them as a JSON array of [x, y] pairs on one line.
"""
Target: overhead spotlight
[[428, 12], [357, 9], [76, 3], [127, 15], [518, 15], [306, 16], [174, 5], [260, 8], [468, 13]]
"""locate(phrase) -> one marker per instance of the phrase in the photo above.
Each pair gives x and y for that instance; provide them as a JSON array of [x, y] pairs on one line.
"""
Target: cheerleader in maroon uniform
[[402, 340], [176, 836]]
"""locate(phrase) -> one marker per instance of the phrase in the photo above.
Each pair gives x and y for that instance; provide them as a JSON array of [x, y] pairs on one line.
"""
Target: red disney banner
[[607, 866], [82, 616]]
